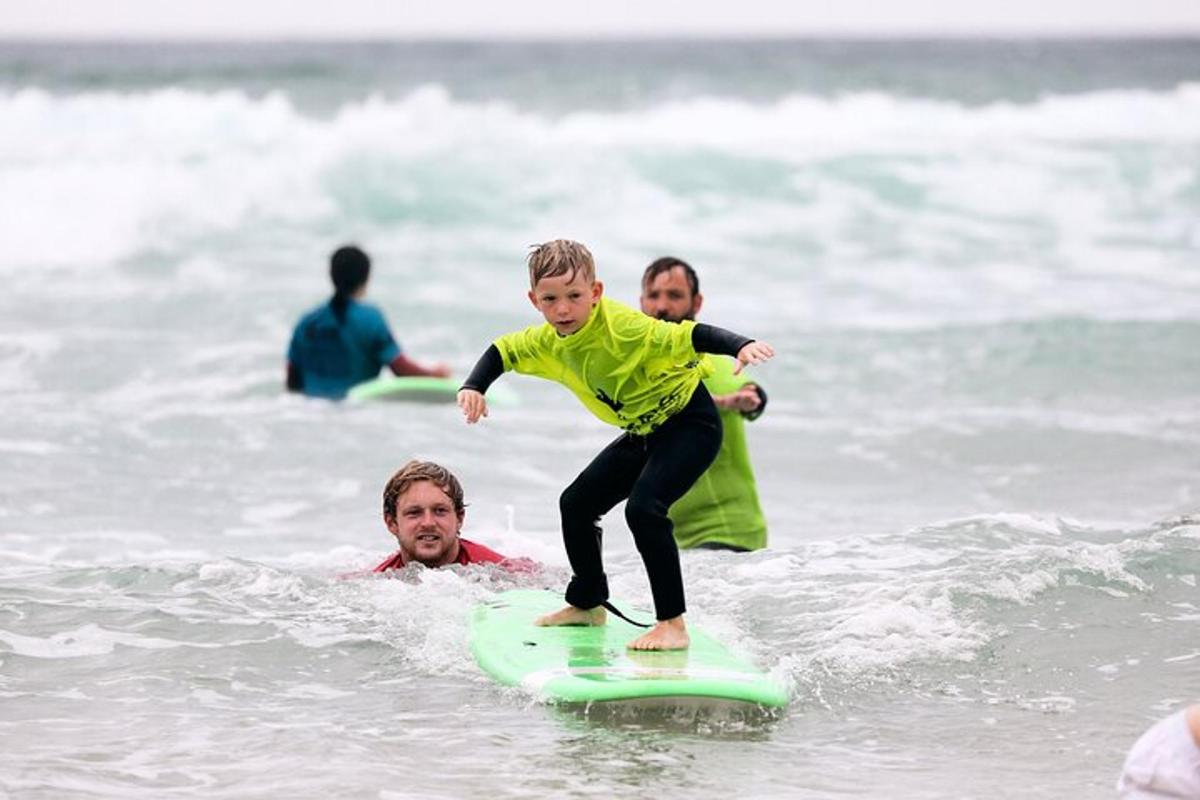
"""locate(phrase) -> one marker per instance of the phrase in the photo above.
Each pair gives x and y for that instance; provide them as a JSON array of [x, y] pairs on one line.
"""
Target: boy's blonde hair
[[415, 471], [560, 257]]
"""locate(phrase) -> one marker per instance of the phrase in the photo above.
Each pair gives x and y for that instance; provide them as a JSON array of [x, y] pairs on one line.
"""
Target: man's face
[[669, 296], [426, 525]]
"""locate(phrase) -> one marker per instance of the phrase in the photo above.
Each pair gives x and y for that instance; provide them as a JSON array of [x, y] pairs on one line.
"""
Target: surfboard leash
[[609, 606]]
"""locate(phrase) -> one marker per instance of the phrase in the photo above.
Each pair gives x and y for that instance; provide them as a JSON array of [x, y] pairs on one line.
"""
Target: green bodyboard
[[414, 389], [575, 664]]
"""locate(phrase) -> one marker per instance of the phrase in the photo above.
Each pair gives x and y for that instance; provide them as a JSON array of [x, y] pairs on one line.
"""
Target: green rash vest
[[630, 370], [722, 506]]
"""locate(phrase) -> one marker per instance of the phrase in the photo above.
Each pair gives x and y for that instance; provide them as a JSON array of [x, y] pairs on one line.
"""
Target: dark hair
[[415, 471], [668, 263], [349, 268]]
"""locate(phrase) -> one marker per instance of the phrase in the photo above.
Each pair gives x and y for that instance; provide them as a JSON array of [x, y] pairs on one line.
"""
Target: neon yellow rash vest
[[630, 370], [722, 506]]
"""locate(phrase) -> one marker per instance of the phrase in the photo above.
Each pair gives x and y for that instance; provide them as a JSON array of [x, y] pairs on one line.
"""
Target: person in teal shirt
[[721, 510], [642, 375], [346, 341]]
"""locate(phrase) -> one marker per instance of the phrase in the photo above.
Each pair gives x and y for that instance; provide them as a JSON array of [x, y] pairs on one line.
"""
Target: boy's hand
[[473, 405], [753, 353]]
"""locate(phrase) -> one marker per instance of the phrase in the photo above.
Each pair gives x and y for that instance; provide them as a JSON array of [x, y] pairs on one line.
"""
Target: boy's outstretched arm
[[473, 405], [711, 339], [753, 353], [470, 396]]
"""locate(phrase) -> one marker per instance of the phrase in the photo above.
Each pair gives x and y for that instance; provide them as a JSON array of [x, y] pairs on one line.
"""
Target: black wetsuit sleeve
[[762, 404], [489, 367], [711, 339]]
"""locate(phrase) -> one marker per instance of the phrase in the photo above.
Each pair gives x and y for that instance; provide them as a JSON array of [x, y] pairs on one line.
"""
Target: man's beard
[[691, 315]]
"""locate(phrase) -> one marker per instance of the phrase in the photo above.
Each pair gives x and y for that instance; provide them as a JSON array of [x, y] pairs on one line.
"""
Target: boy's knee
[[644, 514], [572, 501]]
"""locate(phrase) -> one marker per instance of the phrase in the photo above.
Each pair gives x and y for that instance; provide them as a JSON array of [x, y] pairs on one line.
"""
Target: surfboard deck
[[591, 664], [413, 389]]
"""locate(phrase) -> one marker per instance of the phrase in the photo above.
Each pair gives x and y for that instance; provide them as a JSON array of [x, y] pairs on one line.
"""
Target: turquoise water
[[978, 262]]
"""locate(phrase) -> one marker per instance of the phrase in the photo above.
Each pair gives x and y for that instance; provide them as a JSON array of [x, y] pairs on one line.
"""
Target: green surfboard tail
[[592, 664]]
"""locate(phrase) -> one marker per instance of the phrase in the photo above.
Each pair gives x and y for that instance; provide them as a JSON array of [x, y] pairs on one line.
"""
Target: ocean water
[[979, 263]]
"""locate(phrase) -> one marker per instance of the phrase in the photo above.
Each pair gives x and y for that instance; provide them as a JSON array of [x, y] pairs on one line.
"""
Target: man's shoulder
[[394, 561], [476, 553]]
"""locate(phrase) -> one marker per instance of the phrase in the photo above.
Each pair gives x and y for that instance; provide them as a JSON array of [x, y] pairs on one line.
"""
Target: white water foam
[[1037, 198], [865, 609], [90, 640]]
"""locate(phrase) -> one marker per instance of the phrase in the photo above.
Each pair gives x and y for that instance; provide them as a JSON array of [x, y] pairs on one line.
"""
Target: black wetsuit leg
[[652, 472], [602, 484], [679, 453]]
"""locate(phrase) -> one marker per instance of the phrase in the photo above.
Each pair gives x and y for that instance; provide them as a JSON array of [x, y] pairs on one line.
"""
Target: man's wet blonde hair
[[560, 257], [415, 471]]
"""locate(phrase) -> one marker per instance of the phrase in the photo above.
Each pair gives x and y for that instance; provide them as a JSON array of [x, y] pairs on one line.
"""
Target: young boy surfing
[[642, 375]]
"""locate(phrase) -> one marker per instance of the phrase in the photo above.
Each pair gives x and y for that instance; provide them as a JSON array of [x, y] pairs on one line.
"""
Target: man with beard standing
[[721, 511]]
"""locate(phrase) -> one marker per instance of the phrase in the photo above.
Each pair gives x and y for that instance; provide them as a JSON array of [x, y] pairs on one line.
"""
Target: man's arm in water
[[403, 365], [294, 380]]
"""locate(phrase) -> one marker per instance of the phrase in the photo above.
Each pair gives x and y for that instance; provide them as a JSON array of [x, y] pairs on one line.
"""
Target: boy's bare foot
[[668, 634], [573, 616]]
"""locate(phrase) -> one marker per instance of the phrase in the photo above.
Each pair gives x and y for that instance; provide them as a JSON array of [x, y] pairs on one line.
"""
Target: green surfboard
[[591, 664], [413, 389], [420, 389]]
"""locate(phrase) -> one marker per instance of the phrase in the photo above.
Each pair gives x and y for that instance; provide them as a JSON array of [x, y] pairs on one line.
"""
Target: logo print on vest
[[608, 401]]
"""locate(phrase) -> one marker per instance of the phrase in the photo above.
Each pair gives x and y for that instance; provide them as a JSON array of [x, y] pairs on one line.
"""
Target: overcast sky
[[256, 19]]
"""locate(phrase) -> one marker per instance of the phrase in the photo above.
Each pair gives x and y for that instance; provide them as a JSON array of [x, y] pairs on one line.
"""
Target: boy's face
[[566, 301]]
